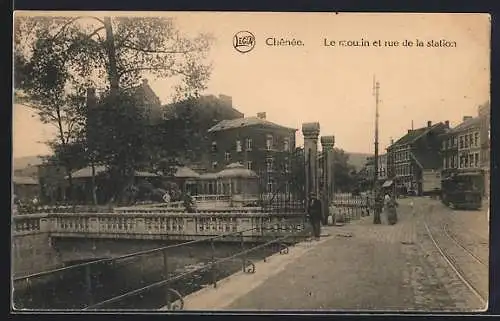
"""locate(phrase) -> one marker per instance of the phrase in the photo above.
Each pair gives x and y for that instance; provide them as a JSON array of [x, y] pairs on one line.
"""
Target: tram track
[[454, 265], [461, 245]]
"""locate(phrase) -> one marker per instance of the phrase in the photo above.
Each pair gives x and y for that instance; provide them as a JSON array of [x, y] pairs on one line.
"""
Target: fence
[[346, 207], [160, 281]]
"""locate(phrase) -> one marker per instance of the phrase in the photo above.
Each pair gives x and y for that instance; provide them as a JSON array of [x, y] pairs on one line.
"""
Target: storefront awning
[[387, 183]]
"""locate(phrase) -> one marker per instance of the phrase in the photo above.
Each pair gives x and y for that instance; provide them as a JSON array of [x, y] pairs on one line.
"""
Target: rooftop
[[22, 180], [471, 122], [246, 122], [415, 134]]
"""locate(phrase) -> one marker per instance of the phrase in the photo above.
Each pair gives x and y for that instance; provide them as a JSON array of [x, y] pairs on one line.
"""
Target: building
[[208, 111], [260, 145], [25, 188], [466, 147], [414, 154]]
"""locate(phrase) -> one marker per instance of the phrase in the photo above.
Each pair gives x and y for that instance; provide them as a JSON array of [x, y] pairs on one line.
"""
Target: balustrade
[[158, 223]]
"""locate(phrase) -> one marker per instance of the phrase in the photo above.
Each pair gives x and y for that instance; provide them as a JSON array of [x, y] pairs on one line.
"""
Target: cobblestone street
[[359, 266]]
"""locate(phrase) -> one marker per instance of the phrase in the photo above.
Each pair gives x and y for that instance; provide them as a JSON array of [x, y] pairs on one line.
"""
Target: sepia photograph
[[250, 161]]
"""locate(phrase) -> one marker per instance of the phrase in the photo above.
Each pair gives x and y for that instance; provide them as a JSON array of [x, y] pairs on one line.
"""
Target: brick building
[[414, 154], [208, 111], [466, 147], [260, 145]]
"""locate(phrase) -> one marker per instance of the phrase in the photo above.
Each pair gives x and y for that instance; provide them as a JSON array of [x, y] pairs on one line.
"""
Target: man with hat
[[314, 210]]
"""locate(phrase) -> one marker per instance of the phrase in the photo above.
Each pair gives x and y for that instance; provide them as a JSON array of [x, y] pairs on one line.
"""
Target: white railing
[[156, 225], [29, 224]]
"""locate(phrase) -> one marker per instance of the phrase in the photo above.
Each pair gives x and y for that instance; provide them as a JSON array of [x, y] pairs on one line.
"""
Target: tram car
[[460, 191]]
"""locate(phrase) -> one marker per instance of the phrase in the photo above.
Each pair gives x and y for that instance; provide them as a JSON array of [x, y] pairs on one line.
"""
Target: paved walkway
[[360, 266]]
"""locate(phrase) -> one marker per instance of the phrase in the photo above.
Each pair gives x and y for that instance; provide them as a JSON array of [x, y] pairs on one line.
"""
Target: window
[[461, 142], [227, 156], [286, 145], [471, 140], [249, 144], [466, 161], [286, 167], [444, 144], [214, 146], [270, 186], [476, 160], [269, 164], [214, 165], [249, 165], [444, 163], [476, 139], [466, 141], [269, 142], [238, 145], [455, 161]]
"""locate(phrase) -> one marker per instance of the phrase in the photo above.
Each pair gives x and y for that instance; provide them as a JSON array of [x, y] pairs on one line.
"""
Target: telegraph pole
[[376, 215]]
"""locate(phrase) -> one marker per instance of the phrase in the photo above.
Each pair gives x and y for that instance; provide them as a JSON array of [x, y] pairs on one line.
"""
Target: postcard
[[250, 161]]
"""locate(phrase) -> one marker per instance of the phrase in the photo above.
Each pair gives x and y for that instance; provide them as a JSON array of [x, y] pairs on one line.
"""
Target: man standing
[[315, 215]]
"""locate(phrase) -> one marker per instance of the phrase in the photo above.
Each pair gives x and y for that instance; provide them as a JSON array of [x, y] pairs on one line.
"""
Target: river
[[68, 290]]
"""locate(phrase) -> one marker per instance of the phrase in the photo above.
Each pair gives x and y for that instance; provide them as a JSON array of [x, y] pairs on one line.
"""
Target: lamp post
[[376, 216]]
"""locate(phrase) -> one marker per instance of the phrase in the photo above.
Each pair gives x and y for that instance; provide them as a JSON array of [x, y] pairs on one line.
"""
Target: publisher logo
[[244, 41]]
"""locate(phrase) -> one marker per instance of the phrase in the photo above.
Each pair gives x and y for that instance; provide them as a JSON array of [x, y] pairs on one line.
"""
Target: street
[[350, 269]]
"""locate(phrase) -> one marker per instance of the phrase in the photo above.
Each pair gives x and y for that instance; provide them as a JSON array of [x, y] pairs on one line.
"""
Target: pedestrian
[[315, 215], [166, 197]]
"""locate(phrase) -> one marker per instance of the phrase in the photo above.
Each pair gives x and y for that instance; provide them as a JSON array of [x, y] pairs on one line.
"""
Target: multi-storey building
[[415, 153], [208, 111], [260, 145], [466, 147]]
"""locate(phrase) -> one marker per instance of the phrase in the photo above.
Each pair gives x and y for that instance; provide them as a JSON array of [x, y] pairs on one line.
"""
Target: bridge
[[155, 251]]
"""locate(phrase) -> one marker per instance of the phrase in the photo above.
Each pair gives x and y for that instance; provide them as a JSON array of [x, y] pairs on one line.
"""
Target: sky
[[332, 85]]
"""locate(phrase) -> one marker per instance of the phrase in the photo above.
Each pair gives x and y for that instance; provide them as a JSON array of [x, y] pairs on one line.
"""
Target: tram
[[461, 191]]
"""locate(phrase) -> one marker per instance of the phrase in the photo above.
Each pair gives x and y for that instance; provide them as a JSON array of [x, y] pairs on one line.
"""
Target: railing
[[346, 207], [162, 283], [155, 224], [29, 224]]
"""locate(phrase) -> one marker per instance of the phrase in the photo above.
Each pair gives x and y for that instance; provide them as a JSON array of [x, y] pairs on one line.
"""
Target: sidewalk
[[360, 266]]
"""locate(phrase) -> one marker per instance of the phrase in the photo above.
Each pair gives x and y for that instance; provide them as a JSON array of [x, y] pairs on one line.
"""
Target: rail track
[[460, 244], [451, 261]]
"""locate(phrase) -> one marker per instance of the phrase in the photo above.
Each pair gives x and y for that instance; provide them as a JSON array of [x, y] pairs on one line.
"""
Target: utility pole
[[376, 215]]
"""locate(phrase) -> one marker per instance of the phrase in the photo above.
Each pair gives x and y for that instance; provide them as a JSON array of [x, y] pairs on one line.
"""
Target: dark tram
[[462, 190]]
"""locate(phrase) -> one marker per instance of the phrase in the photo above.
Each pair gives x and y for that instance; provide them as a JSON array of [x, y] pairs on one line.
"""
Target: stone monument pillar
[[327, 143], [311, 133]]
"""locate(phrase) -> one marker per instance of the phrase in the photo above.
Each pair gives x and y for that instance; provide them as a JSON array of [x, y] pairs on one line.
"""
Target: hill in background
[[358, 160]]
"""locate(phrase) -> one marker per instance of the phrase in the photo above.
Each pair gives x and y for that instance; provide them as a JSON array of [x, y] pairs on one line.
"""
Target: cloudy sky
[[333, 85]]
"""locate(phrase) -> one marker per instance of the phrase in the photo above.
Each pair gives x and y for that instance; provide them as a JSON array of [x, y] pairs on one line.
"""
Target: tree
[[57, 57], [343, 175], [43, 80]]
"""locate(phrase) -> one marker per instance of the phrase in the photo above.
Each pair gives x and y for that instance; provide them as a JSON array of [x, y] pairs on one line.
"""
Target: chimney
[[392, 141], [409, 131], [227, 100], [467, 118], [261, 115], [429, 123], [447, 124], [91, 98]]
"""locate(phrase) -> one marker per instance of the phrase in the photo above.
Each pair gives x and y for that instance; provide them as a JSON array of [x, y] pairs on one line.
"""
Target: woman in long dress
[[390, 205]]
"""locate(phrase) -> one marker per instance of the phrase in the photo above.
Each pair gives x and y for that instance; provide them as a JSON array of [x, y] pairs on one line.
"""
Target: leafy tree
[[58, 57], [343, 175]]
